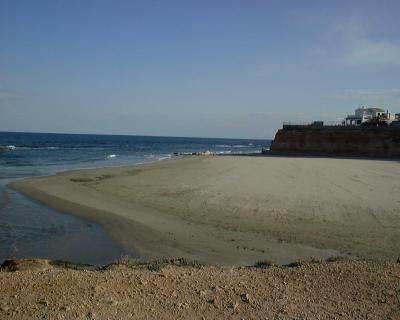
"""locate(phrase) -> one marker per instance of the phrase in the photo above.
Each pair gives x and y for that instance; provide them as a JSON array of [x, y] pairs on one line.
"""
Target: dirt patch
[[126, 290]]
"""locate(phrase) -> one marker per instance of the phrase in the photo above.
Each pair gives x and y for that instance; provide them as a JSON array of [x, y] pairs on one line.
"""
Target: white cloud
[[373, 53], [357, 41]]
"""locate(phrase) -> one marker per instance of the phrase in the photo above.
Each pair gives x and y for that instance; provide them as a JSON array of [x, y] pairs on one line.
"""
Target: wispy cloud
[[7, 94], [357, 41], [373, 53]]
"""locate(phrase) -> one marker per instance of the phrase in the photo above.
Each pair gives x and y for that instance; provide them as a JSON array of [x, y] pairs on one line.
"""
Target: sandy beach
[[238, 210]]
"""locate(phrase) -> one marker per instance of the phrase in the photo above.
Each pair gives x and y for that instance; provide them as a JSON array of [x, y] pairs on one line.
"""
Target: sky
[[234, 69]]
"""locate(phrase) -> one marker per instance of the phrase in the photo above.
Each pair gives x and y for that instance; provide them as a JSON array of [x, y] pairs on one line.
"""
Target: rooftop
[[372, 109]]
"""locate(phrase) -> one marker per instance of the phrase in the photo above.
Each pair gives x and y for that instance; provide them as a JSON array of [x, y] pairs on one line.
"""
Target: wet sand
[[237, 210], [30, 229]]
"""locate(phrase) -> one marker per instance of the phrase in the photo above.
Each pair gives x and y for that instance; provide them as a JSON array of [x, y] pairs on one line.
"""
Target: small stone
[[245, 297], [233, 305], [112, 302], [43, 302], [202, 292], [65, 308], [215, 289]]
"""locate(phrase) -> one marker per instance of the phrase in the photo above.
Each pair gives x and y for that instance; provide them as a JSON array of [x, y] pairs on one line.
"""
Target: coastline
[[231, 210]]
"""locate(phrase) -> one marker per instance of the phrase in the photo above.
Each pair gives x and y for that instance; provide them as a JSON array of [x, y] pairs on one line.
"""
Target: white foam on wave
[[168, 156], [234, 145], [240, 146], [38, 148], [111, 156]]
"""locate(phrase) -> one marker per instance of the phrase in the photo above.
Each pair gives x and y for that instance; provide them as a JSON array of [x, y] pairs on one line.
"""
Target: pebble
[[215, 289], [43, 302], [112, 302], [245, 297], [233, 305], [65, 308], [202, 292]]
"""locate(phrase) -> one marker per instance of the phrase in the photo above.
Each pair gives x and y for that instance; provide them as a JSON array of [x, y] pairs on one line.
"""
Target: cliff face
[[363, 141]]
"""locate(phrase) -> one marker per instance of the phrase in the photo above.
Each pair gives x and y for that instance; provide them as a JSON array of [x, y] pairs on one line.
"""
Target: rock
[[233, 305], [345, 140], [215, 289], [245, 297], [112, 302], [65, 308], [180, 305], [43, 302], [8, 148]]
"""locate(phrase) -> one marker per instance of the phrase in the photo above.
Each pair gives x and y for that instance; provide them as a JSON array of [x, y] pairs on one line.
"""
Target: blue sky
[[193, 68]]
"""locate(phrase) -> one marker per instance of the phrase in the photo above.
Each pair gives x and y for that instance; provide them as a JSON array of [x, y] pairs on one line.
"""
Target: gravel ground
[[334, 290]]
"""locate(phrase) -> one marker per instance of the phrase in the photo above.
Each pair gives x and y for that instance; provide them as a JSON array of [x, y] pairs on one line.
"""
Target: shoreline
[[32, 229], [153, 221]]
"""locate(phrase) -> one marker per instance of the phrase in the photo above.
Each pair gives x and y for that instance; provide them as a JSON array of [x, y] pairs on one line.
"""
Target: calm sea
[[29, 229]]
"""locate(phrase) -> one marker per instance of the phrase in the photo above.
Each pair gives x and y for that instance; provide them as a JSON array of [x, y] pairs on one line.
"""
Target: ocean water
[[29, 229]]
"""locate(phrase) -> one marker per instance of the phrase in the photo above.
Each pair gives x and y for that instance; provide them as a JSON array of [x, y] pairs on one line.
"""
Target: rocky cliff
[[358, 141]]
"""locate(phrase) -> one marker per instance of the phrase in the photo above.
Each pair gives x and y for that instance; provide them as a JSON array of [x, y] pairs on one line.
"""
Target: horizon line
[[132, 135]]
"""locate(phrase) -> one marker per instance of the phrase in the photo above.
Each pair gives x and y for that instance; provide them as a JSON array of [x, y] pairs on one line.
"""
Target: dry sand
[[237, 210], [336, 290]]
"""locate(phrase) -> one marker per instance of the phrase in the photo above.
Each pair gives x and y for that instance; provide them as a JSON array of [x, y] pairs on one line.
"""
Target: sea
[[30, 229]]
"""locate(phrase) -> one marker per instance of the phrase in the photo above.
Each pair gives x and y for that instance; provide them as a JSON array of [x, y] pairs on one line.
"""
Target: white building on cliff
[[364, 114]]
